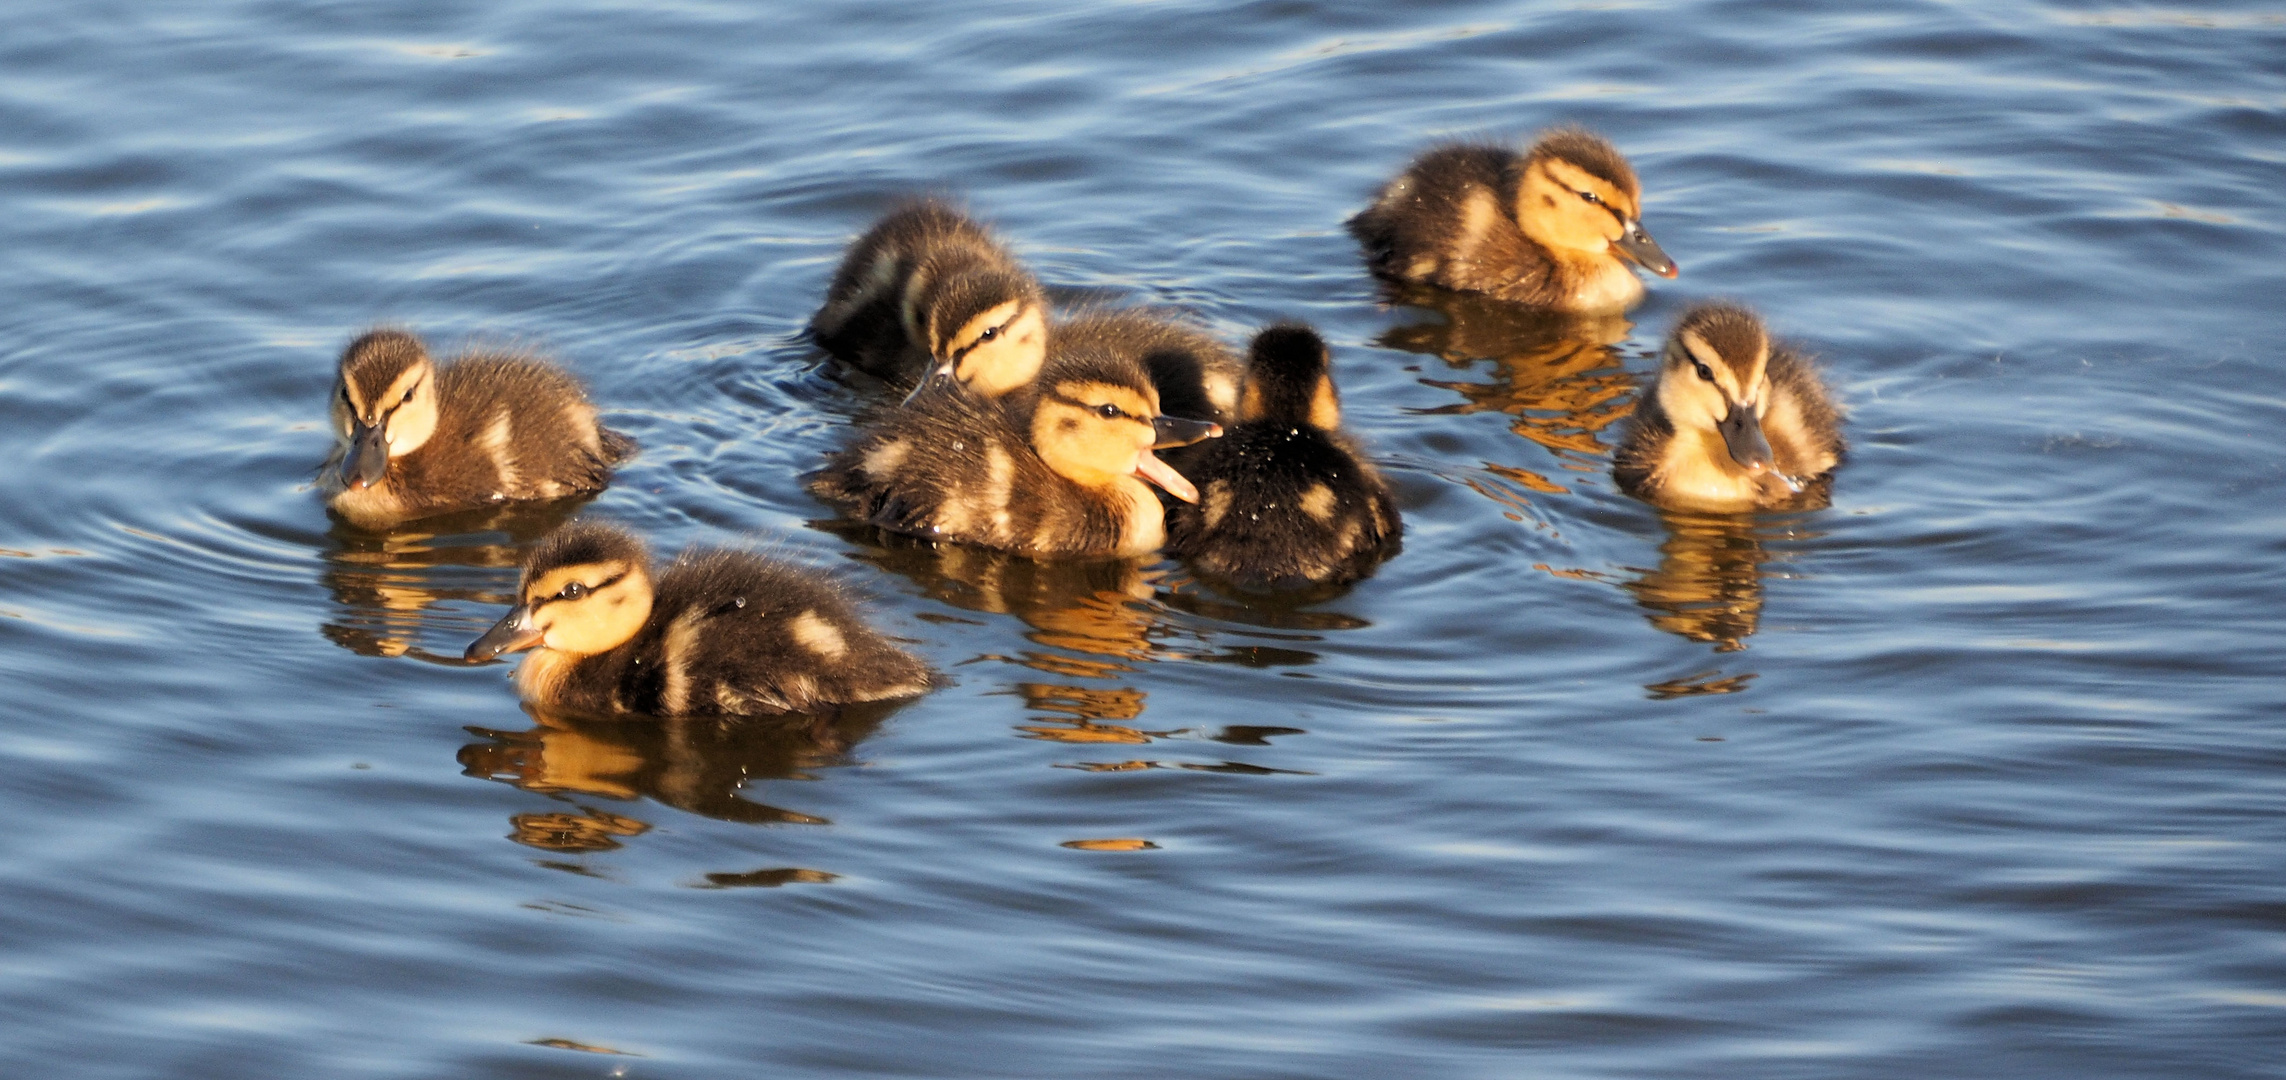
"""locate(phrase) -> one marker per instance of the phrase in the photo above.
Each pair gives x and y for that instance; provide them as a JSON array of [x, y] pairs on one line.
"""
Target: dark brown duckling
[[1060, 472], [717, 633], [1556, 226], [1286, 498], [419, 439], [928, 286], [1731, 422]]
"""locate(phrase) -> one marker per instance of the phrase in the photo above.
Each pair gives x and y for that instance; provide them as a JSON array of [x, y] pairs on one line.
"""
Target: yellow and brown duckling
[[928, 298], [1556, 226], [724, 633], [1060, 473], [927, 287], [419, 438], [1286, 497], [1731, 422]]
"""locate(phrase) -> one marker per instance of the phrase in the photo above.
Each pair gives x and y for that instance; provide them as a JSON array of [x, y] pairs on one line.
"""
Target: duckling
[[419, 439], [1288, 499], [1554, 227], [927, 286], [1058, 473], [724, 633], [928, 297], [1731, 422]]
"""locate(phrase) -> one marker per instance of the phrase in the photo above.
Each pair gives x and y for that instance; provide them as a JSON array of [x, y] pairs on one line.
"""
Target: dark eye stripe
[[596, 588]]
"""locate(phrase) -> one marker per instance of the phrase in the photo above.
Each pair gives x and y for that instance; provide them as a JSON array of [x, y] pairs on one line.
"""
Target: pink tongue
[[1156, 471]]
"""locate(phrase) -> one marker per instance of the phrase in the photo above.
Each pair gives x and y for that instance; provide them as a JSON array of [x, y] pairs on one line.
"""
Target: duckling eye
[[989, 333], [573, 591], [1109, 411], [1705, 372], [1590, 196]]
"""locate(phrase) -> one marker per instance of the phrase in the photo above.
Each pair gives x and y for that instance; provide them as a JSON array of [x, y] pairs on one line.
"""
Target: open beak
[[1742, 435], [939, 376], [511, 633], [1174, 431], [1149, 467], [1636, 244], [368, 457]]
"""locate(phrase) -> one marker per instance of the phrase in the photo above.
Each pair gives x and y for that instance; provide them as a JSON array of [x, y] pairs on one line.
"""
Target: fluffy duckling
[[1555, 226], [1732, 422], [1288, 499], [1061, 472], [928, 287], [717, 633], [928, 297], [419, 439]]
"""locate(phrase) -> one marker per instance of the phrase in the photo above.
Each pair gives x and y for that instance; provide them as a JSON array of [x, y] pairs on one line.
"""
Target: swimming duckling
[[1060, 472], [1287, 498], [718, 633], [1731, 421], [420, 439], [1555, 226], [927, 286]]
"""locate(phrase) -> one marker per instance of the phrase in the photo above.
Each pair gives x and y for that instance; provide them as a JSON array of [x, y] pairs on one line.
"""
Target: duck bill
[[1742, 435], [510, 634], [1149, 467], [1638, 246], [368, 457], [939, 378], [1174, 431]]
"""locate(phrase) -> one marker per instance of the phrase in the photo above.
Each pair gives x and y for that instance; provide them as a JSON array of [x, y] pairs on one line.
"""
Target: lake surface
[[1980, 772]]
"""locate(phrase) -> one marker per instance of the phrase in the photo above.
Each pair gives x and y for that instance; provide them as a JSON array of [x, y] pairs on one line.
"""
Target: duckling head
[[1714, 377], [1288, 379], [1577, 194], [586, 589], [986, 329], [384, 403], [1096, 420]]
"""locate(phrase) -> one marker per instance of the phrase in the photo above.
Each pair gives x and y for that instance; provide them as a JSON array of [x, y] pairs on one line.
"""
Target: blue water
[[1977, 773]]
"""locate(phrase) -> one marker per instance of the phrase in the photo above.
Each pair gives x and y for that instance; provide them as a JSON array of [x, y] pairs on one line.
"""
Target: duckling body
[[925, 286], [1556, 226], [1286, 498], [1732, 422], [419, 438], [1059, 472], [716, 633]]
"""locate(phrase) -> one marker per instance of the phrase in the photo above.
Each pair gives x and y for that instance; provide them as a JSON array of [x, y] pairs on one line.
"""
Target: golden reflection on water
[[1708, 584], [1558, 377], [388, 584], [1099, 609], [700, 765]]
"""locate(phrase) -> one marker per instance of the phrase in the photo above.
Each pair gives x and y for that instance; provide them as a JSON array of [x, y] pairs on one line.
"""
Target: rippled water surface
[[1978, 773]]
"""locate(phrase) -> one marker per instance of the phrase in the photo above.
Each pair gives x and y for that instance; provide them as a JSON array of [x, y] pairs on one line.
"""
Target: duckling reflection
[[1708, 585], [388, 584], [699, 765], [1558, 377], [1098, 608]]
